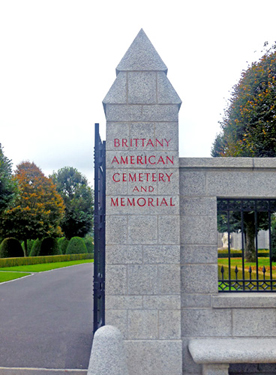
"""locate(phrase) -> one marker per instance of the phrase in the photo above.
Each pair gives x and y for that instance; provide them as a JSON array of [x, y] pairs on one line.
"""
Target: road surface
[[46, 319]]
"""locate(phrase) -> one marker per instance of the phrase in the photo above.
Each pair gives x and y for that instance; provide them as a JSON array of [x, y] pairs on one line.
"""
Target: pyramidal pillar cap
[[141, 56]]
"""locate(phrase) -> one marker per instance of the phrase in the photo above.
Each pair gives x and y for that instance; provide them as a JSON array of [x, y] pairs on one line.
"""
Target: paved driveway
[[46, 319]]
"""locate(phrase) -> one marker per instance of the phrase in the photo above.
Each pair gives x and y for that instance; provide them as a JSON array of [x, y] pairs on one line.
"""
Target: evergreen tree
[[78, 199]]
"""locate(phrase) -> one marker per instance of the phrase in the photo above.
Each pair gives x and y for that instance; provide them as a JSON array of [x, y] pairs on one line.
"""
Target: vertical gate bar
[[229, 248], [242, 233], [99, 231], [96, 226], [270, 243], [256, 244]]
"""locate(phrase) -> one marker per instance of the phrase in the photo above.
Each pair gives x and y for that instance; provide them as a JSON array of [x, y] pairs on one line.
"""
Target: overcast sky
[[58, 60]]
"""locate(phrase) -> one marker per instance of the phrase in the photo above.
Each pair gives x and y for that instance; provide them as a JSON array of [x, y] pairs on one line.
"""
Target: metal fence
[[249, 268]]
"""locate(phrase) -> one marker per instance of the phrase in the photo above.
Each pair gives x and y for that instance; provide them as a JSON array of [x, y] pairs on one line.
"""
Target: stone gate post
[[142, 211]]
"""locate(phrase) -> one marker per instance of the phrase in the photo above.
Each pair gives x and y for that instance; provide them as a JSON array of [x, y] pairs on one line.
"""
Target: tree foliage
[[78, 199], [8, 186], [38, 209], [249, 123]]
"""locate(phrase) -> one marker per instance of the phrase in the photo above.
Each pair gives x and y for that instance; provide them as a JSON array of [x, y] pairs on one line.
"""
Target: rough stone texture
[[206, 322], [195, 300], [142, 112], [146, 225], [244, 300], [198, 230], [194, 278], [237, 350], [126, 254], [166, 94], [119, 319], [155, 357], [142, 279], [141, 55], [142, 87], [192, 184], [199, 254], [162, 302], [108, 353], [206, 206], [143, 324], [116, 279], [114, 302], [254, 322], [161, 254], [169, 325], [118, 91]]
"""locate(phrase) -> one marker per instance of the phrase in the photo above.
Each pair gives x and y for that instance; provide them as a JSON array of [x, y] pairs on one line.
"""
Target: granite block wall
[[205, 312]]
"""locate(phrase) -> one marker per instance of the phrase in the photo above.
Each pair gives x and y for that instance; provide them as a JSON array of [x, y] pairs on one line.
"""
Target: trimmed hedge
[[89, 245], [35, 248], [63, 243], [11, 247], [238, 253], [10, 262], [76, 246], [49, 246]]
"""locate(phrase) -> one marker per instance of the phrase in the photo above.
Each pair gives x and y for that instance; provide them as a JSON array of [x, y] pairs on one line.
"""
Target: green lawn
[[11, 273], [7, 276]]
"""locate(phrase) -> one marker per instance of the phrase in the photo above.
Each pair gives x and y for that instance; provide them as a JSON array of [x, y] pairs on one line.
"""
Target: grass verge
[[8, 276], [15, 272]]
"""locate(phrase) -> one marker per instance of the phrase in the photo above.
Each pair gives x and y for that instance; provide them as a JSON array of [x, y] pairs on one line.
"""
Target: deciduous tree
[[37, 211], [249, 123]]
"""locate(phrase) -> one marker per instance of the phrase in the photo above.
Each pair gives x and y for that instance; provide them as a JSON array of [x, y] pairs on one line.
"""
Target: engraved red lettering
[[163, 202], [135, 189], [169, 176], [132, 178], [116, 142], [113, 177], [143, 189], [132, 160], [160, 160], [140, 177], [141, 204], [153, 177], [139, 159], [151, 189], [171, 160], [123, 202], [167, 142], [150, 201], [115, 160], [124, 177], [149, 159], [124, 142], [131, 203], [149, 143], [147, 176], [124, 160], [161, 177], [114, 202], [157, 141], [171, 202]]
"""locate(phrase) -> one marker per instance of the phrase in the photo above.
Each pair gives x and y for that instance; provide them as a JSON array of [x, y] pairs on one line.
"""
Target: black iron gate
[[99, 231]]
